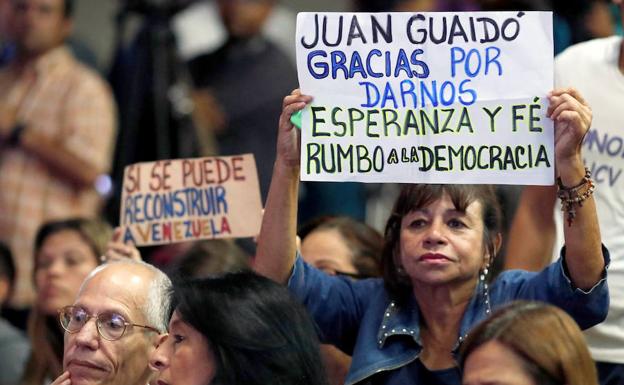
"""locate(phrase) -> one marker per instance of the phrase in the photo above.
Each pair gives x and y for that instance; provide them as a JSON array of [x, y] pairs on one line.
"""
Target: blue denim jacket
[[361, 319]]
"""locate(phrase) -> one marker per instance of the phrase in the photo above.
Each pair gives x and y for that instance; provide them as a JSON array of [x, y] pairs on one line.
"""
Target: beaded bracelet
[[571, 196]]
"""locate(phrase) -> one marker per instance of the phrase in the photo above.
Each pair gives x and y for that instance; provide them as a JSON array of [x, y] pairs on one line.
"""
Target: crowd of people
[[320, 297]]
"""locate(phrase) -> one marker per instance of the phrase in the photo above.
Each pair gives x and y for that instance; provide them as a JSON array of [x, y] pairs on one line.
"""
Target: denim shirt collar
[[400, 320], [478, 309], [405, 320]]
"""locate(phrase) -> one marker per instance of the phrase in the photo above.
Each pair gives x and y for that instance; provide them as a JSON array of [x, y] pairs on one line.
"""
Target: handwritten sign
[[427, 97], [187, 199]]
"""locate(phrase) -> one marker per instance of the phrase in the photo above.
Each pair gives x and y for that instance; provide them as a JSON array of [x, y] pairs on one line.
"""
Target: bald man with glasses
[[113, 326]]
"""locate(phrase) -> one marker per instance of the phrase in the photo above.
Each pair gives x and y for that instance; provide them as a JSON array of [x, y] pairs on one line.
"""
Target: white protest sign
[[188, 199], [432, 97]]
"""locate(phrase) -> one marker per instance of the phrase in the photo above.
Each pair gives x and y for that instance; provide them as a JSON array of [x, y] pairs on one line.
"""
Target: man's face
[[39, 25], [91, 359]]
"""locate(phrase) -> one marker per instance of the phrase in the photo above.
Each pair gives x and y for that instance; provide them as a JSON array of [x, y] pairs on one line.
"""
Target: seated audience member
[[527, 343], [342, 246], [127, 302], [439, 243], [346, 247], [65, 253], [14, 347], [237, 329]]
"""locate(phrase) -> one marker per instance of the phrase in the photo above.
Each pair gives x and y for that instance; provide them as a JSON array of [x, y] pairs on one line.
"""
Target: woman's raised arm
[[572, 117], [277, 240]]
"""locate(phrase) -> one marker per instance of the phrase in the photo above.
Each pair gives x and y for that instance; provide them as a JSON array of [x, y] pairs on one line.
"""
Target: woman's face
[[441, 245], [327, 250], [184, 357], [485, 365], [62, 263]]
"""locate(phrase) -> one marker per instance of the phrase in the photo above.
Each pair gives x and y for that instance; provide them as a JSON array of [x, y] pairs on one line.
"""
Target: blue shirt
[[360, 318]]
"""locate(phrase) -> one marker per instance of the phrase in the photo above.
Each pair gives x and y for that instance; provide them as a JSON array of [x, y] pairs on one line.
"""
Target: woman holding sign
[[439, 243]]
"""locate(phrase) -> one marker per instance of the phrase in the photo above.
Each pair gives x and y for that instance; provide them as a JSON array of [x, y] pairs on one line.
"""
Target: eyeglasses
[[110, 325]]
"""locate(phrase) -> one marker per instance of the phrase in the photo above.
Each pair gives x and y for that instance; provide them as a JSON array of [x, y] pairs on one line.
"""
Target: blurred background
[[193, 104], [207, 77]]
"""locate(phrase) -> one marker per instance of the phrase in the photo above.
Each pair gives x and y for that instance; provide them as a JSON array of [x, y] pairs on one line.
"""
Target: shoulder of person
[[83, 75], [10, 335], [591, 50]]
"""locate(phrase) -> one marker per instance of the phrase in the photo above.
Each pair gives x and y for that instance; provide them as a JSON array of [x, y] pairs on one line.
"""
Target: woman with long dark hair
[[65, 252], [237, 329]]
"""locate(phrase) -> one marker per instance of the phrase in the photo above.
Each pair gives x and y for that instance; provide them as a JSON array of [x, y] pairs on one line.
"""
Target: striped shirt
[[66, 101]]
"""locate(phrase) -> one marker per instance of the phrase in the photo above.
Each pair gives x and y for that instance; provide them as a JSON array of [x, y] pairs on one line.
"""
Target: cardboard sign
[[188, 199], [433, 97]]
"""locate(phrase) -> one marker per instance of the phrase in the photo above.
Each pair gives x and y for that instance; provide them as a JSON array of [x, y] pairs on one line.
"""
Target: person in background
[[57, 125], [598, 20], [114, 324], [65, 253], [342, 246], [248, 66], [345, 247], [237, 329], [527, 343], [596, 69], [582, 20], [14, 346]]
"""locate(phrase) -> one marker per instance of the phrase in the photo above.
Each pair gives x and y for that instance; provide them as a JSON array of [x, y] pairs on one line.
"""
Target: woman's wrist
[[286, 167], [571, 171]]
